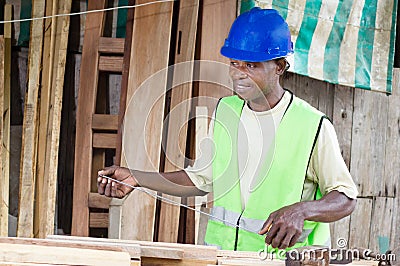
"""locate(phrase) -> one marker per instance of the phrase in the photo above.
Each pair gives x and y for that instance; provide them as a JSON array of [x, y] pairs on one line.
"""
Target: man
[[276, 166]]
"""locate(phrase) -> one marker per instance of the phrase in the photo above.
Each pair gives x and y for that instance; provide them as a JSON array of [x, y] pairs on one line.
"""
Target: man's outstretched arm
[[174, 183], [285, 225]]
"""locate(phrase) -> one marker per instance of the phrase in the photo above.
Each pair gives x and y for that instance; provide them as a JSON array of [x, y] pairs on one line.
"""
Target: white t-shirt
[[256, 132]]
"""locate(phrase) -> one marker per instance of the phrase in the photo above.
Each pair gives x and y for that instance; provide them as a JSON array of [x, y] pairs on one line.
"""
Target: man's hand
[[284, 226], [112, 189]]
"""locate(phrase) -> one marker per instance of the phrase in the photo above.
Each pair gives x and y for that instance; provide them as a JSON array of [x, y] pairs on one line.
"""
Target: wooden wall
[[368, 130]]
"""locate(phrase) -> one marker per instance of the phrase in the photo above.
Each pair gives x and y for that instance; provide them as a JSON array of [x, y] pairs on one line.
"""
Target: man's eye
[[251, 66], [234, 64]]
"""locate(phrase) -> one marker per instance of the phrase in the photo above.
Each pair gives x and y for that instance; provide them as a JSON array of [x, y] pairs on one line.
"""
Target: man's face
[[251, 80]]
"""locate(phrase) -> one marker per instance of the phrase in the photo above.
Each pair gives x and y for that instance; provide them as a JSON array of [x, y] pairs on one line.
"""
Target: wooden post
[[83, 142], [217, 18], [5, 82], [30, 123], [142, 140], [179, 112], [45, 94]]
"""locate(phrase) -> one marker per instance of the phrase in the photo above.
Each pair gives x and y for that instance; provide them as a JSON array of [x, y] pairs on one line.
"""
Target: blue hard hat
[[258, 35]]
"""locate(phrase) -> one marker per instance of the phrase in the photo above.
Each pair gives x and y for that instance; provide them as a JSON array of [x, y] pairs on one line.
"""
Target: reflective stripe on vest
[[294, 141]]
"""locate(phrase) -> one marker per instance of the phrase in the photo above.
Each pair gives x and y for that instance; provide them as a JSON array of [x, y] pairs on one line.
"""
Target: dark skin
[[258, 84]]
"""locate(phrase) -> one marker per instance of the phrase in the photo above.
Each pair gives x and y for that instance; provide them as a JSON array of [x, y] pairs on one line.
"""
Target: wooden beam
[[98, 220], [5, 83], [214, 30], [393, 153], [85, 110], [36, 254], [192, 254], [30, 124], [360, 224], [382, 212], [144, 116], [105, 122], [111, 45], [124, 84], [104, 140], [110, 64], [179, 112], [49, 43], [49, 135], [343, 119], [133, 250], [5, 178], [98, 201], [369, 132]]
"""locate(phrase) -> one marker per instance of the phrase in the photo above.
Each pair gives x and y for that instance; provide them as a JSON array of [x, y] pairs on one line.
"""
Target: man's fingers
[[101, 184], [294, 239], [286, 241], [108, 171], [277, 240], [271, 234], [266, 227], [107, 191]]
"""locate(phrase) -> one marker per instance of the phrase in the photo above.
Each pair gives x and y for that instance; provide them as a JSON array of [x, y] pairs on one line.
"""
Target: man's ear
[[281, 66]]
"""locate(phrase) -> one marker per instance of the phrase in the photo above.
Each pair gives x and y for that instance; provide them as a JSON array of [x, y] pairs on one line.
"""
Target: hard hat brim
[[249, 56]]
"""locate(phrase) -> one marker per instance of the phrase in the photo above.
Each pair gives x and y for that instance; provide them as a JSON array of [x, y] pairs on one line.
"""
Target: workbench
[[67, 250]]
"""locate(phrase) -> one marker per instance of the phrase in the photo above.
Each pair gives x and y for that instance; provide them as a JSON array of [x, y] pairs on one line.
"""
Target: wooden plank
[[150, 53], [133, 250], [326, 99], [392, 154], [369, 132], [340, 230], [124, 83], [104, 140], [179, 112], [98, 220], [5, 178], [49, 43], [360, 223], [85, 109], [191, 253], [60, 255], [214, 29], [200, 135], [392, 147], [343, 119], [98, 201], [111, 45], [30, 124], [382, 212], [47, 210], [5, 94], [105, 122], [110, 63]]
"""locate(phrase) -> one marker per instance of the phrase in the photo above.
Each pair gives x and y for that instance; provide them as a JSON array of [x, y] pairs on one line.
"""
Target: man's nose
[[238, 73]]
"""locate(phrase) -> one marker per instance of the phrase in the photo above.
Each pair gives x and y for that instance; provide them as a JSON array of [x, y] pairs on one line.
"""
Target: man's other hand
[[283, 227], [113, 189]]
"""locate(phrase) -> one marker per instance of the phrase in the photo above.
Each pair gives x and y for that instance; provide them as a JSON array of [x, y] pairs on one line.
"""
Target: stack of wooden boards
[[66, 250], [42, 118]]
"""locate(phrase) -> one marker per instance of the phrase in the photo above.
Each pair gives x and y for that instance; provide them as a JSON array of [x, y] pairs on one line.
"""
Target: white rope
[[177, 203], [85, 12]]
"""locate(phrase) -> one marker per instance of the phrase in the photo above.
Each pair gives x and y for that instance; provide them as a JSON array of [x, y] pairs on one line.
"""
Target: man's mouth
[[242, 87]]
